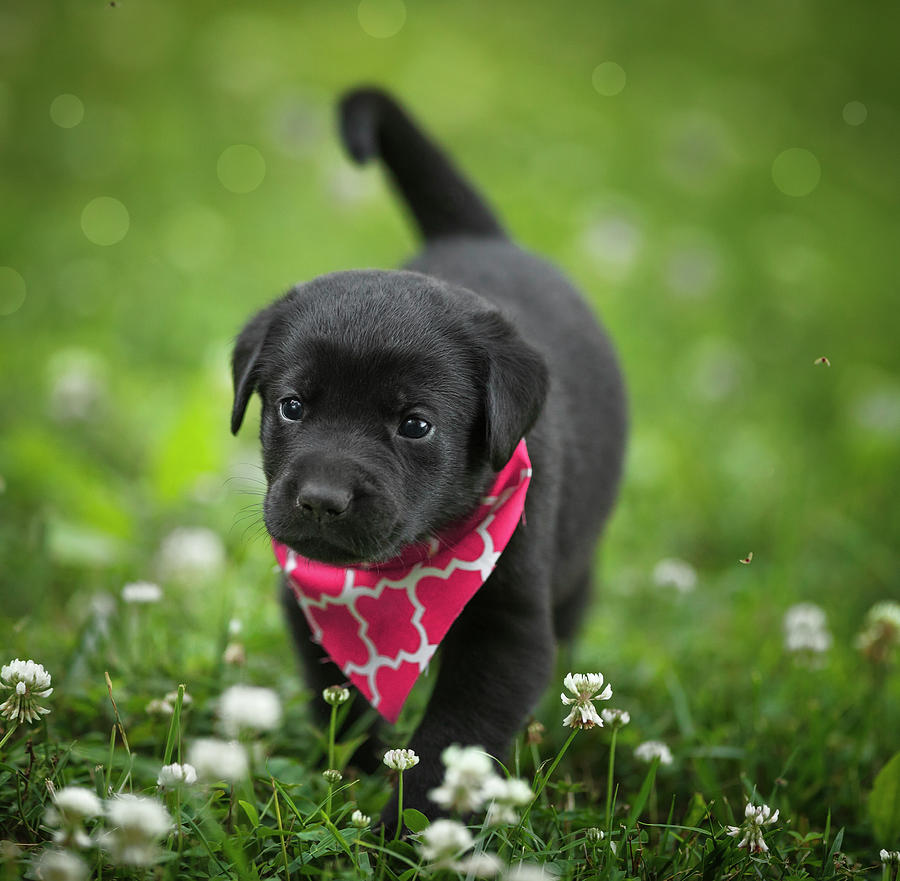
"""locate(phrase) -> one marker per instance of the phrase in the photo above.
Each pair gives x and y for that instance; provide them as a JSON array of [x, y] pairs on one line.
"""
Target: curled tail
[[440, 198]]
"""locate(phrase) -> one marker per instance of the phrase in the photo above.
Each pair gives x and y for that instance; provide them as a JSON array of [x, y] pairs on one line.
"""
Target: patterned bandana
[[381, 624]]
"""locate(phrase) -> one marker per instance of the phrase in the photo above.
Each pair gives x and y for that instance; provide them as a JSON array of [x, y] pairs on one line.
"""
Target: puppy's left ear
[[245, 361], [517, 384]]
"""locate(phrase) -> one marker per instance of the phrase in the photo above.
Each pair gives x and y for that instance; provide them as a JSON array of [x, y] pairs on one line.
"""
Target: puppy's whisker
[[253, 507], [258, 530], [248, 515], [247, 477]]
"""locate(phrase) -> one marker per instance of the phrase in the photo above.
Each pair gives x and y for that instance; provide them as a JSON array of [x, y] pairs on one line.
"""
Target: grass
[[720, 288]]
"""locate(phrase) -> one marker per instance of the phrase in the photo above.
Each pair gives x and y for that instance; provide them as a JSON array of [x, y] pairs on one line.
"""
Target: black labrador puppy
[[391, 400]]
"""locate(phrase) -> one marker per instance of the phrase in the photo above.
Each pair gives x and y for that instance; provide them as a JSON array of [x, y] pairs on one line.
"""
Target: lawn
[[721, 181]]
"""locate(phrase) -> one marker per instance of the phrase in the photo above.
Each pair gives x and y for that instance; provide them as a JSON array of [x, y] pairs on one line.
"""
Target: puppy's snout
[[322, 501]]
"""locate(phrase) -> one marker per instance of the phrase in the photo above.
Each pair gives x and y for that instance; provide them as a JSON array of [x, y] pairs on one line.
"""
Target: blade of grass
[[174, 735], [643, 795]]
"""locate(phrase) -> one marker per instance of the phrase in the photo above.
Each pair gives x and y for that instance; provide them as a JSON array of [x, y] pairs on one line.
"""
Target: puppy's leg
[[320, 672], [495, 663]]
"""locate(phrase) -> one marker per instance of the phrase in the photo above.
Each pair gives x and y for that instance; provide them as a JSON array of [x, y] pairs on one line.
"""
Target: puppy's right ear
[[245, 362]]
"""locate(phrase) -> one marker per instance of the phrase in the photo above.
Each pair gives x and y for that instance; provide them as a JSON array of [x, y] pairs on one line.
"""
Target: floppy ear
[[516, 386], [244, 362]]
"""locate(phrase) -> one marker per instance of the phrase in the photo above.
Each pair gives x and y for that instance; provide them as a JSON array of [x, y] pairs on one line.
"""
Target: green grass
[[719, 288]]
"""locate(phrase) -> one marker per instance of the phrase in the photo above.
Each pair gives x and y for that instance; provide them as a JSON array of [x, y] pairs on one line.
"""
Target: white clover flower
[[60, 865], [359, 819], [805, 629], [594, 834], [141, 592], [72, 805], [27, 681], [503, 797], [165, 706], [443, 841], [650, 749], [469, 768], [615, 718], [76, 803], [137, 823], [78, 384], [529, 872], [175, 776], [401, 759], [171, 697], [671, 572], [480, 865], [335, 695], [158, 707], [585, 687], [889, 857], [249, 708], [215, 759], [534, 733], [882, 632], [190, 553], [755, 817], [332, 775], [886, 612], [235, 654]]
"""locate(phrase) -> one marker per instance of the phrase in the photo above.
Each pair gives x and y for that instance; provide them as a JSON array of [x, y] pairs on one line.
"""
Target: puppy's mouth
[[324, 551], [339, 551]]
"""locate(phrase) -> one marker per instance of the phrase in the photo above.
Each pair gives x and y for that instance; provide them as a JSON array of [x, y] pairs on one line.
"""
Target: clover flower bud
[[335, 695]]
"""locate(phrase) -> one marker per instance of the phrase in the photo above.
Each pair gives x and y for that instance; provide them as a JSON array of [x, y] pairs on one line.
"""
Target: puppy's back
[[577, 444], [583, 424]]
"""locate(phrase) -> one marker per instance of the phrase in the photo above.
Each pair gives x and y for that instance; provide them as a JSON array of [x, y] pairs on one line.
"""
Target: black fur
[[485, 342]]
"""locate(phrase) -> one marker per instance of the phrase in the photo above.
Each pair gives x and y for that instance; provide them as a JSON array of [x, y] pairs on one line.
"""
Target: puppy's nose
[[322, 502]]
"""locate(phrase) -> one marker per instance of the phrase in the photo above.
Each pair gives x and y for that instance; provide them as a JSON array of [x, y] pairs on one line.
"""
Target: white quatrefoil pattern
[[382, 624]]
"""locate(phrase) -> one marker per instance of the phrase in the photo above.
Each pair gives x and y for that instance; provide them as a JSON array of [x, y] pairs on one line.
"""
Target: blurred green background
[[719, 177]]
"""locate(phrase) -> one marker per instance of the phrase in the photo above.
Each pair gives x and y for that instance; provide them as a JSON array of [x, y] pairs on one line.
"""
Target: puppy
[[394, 403]]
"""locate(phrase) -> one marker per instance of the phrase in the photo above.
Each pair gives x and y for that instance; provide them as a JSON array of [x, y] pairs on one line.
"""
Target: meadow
[[722, 183]]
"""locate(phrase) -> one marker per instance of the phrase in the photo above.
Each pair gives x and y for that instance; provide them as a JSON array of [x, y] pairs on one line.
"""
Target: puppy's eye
[[291, 409], [414, 428]]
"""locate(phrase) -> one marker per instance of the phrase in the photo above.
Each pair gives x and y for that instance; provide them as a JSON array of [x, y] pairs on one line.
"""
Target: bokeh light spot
[[105, 220], [613, 241], [241, 168], [66, 110], [12, 290], [608, 78], [855, 113], [381, 18], [796, 172]]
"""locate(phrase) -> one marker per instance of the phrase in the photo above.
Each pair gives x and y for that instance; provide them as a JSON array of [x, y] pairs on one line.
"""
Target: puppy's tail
[[440, 198]]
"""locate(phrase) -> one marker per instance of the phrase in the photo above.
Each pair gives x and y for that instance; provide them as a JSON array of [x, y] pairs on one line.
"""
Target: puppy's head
[[388, 399]]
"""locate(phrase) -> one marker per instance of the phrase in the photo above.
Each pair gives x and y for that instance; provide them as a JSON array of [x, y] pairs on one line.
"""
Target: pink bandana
[[381, 624]]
